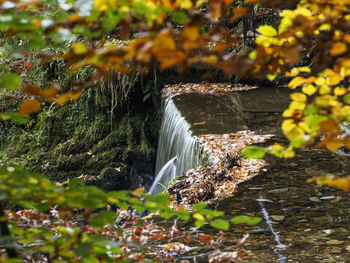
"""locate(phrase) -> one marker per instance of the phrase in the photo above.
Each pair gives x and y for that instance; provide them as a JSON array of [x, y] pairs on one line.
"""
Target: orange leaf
[[191, 33], [338, 48], [76, 95], [49, 93], [29, 107], [342, 183], [239, 11], [62, 99], [332, 142], [329, 125]]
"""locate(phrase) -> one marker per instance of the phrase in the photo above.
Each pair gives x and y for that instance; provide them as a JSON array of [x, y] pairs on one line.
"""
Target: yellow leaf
[[289, 153], [80, 48], [252, 55], [271, 77], [299, 81], [5, 117], [339, 91], [298, 96], [338, 48], [292, 113], [185, 4], [296, 71], [334, 79], [320, 81], [296, 105], [29, 107], [309, 89], [287, 125], [198, 216], [267, 30], [304, 126], [295, 133], [324, 89]]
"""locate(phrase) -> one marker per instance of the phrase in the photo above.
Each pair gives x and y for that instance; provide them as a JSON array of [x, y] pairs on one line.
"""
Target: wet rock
[[261, 231], [314, 199], [277, 217], [263, 200], [327, 197], [321, 219], [278, 191], [334, 242]]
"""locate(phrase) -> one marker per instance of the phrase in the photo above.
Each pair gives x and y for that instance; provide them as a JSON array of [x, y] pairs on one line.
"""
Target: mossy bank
[[109, 145]]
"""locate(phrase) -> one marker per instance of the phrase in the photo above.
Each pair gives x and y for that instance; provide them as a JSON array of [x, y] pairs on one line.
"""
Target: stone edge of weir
[[224, 168]]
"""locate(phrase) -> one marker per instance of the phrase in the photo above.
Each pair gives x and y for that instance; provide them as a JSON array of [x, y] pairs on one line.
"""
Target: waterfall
[[175, 140], [164, 176]]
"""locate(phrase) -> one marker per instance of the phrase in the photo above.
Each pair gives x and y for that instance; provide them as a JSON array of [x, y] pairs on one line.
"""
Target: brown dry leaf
[[32, 89], [200, 123], [28, 107], [334, 144], [329, 125], [191, 33], [163, 42]]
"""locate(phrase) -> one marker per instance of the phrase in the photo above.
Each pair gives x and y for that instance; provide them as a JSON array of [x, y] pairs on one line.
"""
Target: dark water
[[302, 222]]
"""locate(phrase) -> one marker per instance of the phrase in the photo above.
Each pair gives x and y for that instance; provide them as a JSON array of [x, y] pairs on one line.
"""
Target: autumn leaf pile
[[227, 169], [203, 88], [138, 240]]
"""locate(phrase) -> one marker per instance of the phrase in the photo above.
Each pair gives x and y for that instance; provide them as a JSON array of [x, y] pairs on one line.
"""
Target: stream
[[302, 222]]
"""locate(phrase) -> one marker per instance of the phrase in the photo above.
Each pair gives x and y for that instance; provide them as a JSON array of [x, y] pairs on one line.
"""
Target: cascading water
[[164, 176], [175, 140]]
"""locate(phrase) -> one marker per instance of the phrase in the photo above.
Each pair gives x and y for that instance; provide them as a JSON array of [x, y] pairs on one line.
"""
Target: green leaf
[[103, 218], [246, 220], [10, 81], [210, 214], [220, 224], [267, 30], [314, 120], [199, 206], [254, 152], [199, 223], [271, 77], [310, 109], [179, 17], [18, 118], [83, 250]]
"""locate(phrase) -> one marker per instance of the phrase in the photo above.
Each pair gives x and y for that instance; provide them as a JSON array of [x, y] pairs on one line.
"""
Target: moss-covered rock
[[80, 139]]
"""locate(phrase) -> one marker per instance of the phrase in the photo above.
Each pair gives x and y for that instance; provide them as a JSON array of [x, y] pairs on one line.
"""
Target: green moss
[[80, 137]]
